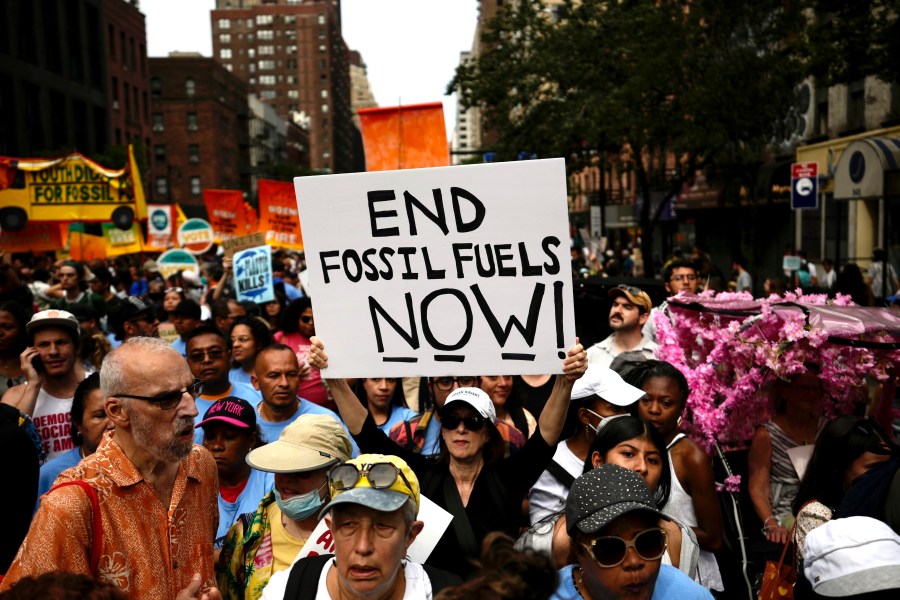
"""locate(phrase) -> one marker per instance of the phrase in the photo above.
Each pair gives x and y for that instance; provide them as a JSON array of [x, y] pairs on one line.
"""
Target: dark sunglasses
[[307, 320], [630, 289], [380, 476], [470, 423], [169, 400], [199, 356], [610, 551], [445, 384]]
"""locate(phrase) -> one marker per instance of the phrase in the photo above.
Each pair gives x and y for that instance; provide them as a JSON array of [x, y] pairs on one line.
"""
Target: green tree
[[640, 80]]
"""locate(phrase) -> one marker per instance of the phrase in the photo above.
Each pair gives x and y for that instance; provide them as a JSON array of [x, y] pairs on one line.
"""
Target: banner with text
[[226, 212], [278, 217], [37, 236], [253, 275], [120, 242], [447, 271], [160, 218]]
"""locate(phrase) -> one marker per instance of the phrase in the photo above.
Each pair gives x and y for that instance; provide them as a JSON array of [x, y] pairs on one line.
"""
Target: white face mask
[[604, 421]]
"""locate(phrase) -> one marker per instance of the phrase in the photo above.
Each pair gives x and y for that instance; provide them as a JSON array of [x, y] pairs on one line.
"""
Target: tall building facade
[[200, 120], [361, 95], [73, 76], [293, 57]]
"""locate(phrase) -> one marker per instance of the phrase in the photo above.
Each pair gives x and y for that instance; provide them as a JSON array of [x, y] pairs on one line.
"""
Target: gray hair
[[410, 512], [112, 372]]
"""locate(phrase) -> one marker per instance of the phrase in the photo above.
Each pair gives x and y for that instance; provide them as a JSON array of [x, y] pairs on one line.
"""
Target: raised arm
[[553, 416], [352, 411], [24, 396]]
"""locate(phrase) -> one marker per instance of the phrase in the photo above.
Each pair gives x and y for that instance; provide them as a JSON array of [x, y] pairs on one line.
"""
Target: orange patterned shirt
[[149, 551]]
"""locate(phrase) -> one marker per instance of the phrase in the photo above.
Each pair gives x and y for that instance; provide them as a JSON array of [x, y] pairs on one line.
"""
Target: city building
[[361, 95], [200, 121], [292, 56], [73, 76], [276, 146], [465, 142]]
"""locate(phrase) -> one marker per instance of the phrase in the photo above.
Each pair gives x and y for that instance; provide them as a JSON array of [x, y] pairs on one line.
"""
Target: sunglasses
[[199, 356], [610, 551], [174, 289], [683, 278], [445, 384], [630, 289], [306, 320], [470, 423], [380, 476], [169, 400]]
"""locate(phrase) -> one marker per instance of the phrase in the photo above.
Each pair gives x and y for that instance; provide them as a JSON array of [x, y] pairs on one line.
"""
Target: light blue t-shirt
[[180, 345], [51, 469], [258, 485], [432, 445], [238, 390], [272, 431], [671, 584], [398, 414], [238, 375]]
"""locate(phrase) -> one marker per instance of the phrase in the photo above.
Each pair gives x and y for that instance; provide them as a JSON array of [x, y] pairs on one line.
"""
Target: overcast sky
[[411, 47]]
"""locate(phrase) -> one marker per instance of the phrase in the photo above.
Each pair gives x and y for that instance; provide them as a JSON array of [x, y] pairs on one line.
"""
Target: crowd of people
[[171, 442]]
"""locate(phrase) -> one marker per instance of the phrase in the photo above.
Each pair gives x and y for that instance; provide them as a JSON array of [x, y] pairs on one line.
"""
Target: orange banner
[[278, 216], [85, 247], [404, 137], [225, 209], [38, 236]]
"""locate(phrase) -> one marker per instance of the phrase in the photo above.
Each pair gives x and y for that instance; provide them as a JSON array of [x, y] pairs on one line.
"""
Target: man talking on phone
[[52, 371]]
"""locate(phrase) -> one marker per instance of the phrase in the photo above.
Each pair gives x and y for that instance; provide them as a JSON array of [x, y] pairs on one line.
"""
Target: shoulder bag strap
[[460, 522], [96, 522], [303, 580], [563, 476]]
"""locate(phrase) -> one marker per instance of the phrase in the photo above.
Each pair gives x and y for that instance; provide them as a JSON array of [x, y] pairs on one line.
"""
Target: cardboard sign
[[175, 260], [436, 521], [159, 226], [195, 236], [446, 271], [253, 275], [232, 245], [119, 242], [167, 332], [226, 212], [278, 218]]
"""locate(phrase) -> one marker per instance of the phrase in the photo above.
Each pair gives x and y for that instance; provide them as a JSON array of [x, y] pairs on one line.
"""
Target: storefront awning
[[869, 168]]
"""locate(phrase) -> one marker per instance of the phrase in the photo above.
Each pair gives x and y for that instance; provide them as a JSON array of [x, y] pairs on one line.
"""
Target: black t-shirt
[[533, 398], [495, 503]]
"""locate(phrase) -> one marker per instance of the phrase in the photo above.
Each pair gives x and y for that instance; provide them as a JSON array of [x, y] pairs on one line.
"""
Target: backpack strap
[[561, 475], [96, 522], [440, 579], [303, 580]]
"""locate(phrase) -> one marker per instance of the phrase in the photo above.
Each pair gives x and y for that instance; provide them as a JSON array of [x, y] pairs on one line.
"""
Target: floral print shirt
[[148, 550]]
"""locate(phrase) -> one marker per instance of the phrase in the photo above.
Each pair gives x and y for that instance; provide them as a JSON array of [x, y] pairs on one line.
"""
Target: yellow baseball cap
[[381, 482]]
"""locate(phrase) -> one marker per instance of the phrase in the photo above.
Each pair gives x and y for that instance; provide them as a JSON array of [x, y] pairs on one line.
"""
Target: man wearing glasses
[[155, 517], [619, 546], [629, 313], [680, 276], [209, 359], [372, 517]]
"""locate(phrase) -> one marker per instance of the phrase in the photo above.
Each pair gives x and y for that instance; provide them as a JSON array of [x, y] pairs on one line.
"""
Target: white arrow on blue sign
[[805, 185]]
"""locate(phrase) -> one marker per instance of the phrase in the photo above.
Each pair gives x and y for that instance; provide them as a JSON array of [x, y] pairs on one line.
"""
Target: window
[[324, 93], [252, 80], [265, 34], [249, 23], [112, 43], [158, 122], [324, 108], [251, 53], [291, 63], [156, 88], [224, 38], [264, 19], [291, 79], [225, 53], [266, 65], [293, 94], [321, 19], [322, 48], [195, 186], [224, 24], [228, 66], [290, 19], [115, 93], [266, 80], [194, 153], [159, 153], [250, 38], [267, 94], [252, 67], [321, 34], [162, 187], [192, 121], [190, 87], [266, 50], [856, 105], [290, 34]]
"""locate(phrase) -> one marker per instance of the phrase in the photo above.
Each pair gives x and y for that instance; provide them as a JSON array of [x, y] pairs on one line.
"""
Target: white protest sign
[[459, 270], [436, 521], [253, 275]]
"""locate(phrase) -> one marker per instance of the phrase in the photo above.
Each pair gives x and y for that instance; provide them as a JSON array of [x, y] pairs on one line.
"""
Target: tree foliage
[[702, 79]]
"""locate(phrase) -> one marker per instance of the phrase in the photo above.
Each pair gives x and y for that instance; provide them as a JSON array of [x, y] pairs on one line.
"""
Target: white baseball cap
[[476, 398], [850, 556], [606, 383]]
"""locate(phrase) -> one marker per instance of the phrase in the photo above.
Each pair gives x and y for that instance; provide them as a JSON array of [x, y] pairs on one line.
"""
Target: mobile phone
[[37, 363]]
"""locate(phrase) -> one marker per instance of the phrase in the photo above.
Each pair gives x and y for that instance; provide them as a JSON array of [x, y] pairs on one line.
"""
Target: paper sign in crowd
[[457, 270]]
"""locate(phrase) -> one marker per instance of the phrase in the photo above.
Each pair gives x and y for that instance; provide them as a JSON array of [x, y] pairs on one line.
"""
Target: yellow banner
[[120, 242]]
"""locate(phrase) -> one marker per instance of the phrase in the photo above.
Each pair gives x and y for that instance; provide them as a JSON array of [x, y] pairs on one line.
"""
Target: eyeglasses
[[306, 320], [683, 278], [470, 423], [380, 476], [174, 289], [169, 400], [445, 384], [610, 551], [199, 356], [630, 289]]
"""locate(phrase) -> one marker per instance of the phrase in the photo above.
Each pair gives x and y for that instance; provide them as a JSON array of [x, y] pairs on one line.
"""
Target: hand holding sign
[[575, 364]]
